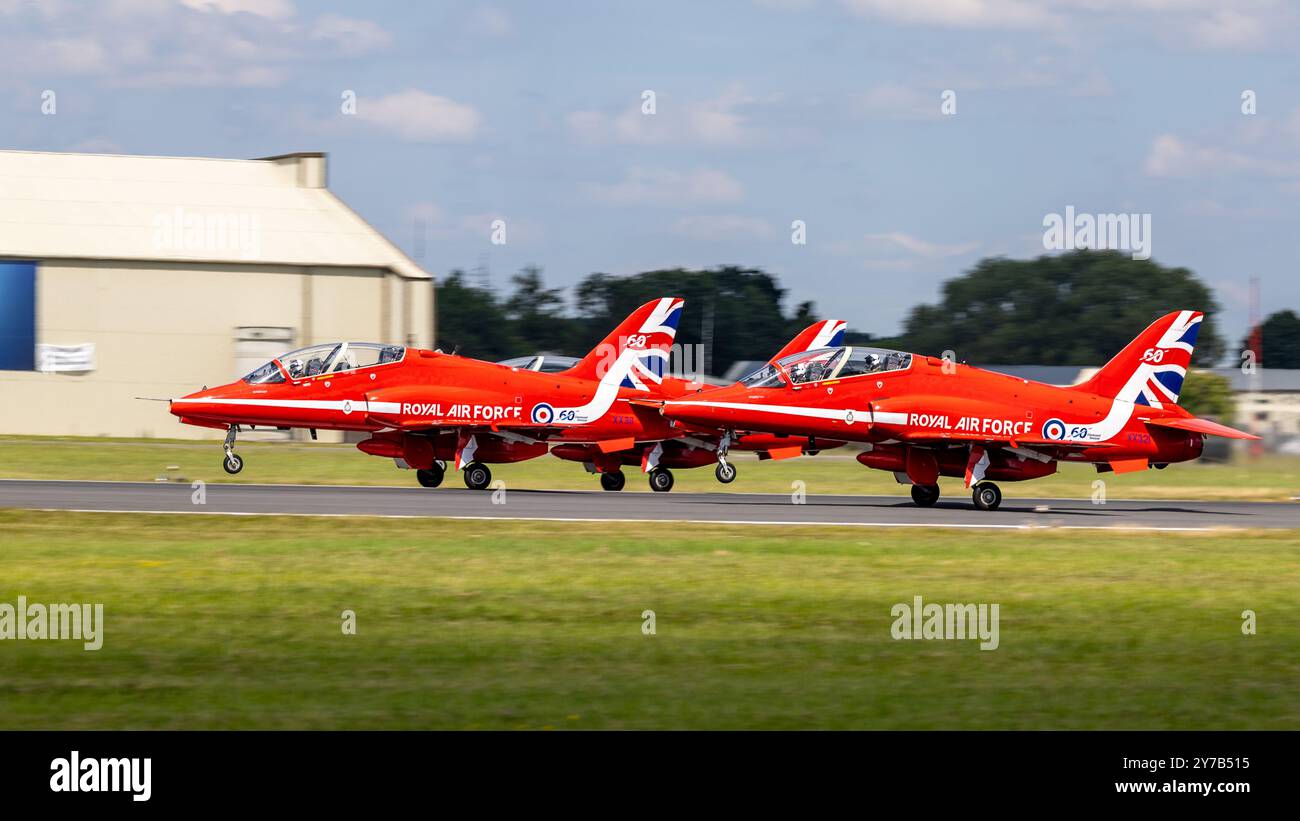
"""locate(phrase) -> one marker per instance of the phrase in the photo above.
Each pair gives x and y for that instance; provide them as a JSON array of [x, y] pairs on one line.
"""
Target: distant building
[[125, 276], [1268, 402]]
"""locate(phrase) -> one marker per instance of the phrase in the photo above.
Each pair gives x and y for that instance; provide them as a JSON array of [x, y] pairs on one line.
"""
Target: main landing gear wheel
[[726, 472], [925, 495], [661, 480], [477, 476], [232, 463], [613, 480], [987, 496], [431, 477]]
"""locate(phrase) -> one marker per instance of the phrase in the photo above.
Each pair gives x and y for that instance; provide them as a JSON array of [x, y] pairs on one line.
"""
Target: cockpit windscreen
[[331, 357], [820, 364]]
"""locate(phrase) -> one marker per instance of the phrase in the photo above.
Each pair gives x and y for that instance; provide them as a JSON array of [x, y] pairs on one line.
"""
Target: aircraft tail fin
[[636, 352], [1150, 370], [828, 333]]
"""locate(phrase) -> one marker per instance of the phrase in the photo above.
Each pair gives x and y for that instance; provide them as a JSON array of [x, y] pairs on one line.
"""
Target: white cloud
[[722, 227], [75, 55], [1171, 156], [1005, 14], [1229, 29], [349, 35], [718, 121], [273, 9], [169, 44], [919, 247], [420, 116], [1246, 25], [658, 186]]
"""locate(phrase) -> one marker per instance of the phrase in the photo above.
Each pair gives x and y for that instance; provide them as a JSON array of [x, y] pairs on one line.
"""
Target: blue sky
[[766, 112]]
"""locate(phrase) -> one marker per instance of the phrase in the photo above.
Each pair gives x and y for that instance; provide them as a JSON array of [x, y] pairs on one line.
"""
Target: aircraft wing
[[1200, 426], [466, 424], [530, 431], [1054, 443], [924, 437]]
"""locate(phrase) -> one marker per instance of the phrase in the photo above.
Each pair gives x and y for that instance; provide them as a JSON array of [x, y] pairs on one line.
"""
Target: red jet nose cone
[[201, 403]]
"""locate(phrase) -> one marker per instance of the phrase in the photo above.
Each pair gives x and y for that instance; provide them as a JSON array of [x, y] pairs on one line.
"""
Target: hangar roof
[[275, 210]]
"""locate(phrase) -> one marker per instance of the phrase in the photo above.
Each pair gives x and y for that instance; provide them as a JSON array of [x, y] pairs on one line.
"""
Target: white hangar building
[[125, 276]]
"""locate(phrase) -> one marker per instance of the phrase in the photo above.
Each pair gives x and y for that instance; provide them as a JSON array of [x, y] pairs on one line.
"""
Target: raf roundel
[[1053, 429], [543, 413]]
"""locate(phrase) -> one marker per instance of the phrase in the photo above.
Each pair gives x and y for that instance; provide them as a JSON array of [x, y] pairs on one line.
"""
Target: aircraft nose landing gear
[[232, 463], [725, 471]]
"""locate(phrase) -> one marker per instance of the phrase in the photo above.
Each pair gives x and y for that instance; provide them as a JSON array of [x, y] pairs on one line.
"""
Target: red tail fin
[[1150, 370], [828, 333], [649, 329]]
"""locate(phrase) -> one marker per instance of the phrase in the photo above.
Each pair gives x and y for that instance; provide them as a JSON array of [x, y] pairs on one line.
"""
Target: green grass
[[1271, 478], [227, 622]]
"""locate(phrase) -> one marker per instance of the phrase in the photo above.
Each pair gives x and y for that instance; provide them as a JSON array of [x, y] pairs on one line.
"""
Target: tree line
[[1078, 308], [734, 313]]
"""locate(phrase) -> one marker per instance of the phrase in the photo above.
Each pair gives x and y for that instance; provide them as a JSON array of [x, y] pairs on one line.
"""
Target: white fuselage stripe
[[880, 417], [303, 404]]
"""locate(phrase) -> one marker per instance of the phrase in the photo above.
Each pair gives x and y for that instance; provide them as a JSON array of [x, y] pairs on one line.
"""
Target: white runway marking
[[598, 492], [333, 501], [572, 519]]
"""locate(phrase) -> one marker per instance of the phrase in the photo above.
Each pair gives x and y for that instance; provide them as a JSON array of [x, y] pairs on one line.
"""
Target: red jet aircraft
[[426, 408], [922, 417]]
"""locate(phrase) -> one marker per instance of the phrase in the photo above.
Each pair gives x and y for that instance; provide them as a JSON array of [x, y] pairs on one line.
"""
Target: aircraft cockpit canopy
[[330, 357], [541, 363], [820, 364]]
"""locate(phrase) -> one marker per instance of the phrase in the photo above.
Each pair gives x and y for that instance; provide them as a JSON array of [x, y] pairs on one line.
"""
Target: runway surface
[[562, 505]]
